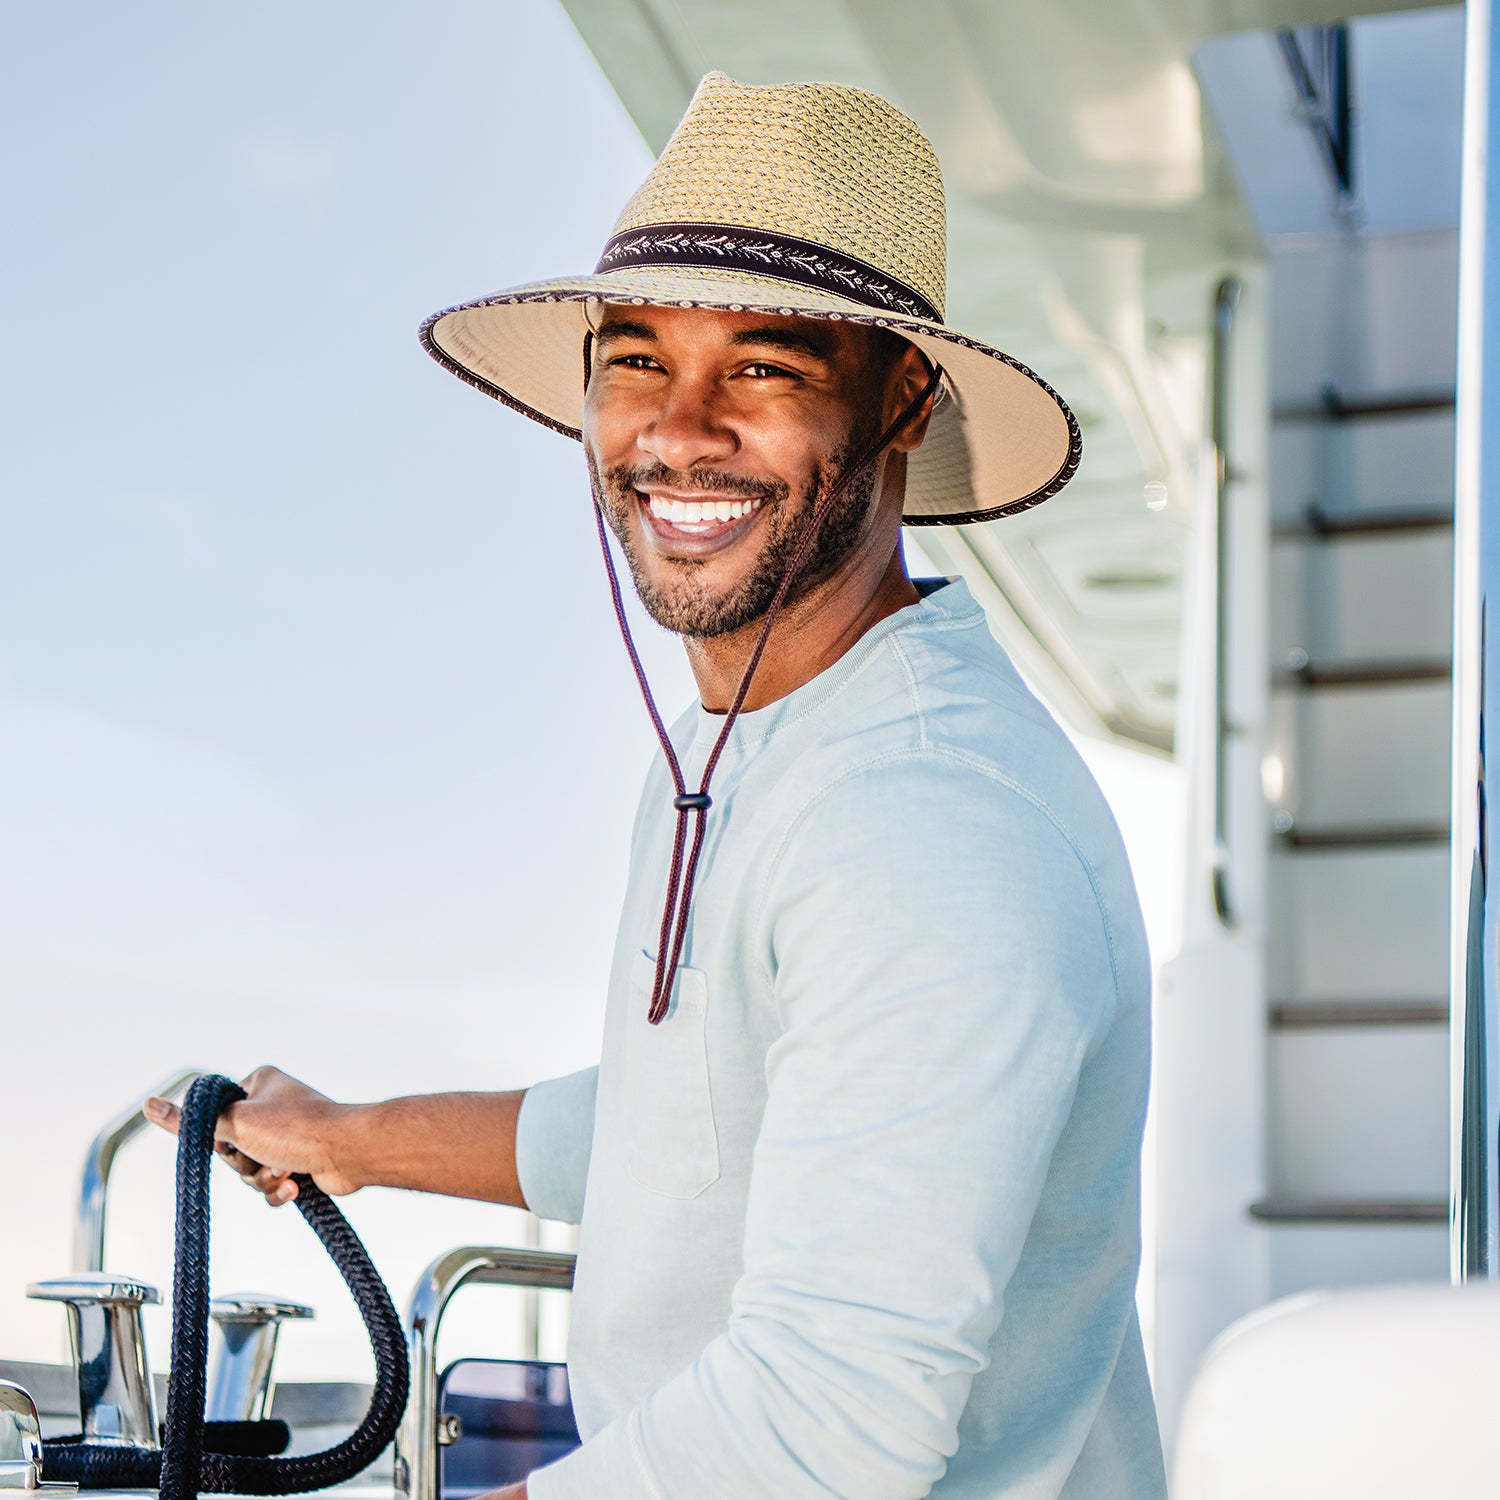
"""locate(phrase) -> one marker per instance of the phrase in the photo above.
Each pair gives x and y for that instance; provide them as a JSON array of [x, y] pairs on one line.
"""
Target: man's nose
[[687, 429]]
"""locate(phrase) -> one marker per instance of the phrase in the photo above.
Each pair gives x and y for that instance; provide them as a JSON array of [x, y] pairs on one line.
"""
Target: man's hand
[[460, 1144], [282, 1127], [510, 1492]]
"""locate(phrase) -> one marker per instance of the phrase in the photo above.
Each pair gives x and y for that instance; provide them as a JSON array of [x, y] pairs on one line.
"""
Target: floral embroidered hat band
[[810, 200]]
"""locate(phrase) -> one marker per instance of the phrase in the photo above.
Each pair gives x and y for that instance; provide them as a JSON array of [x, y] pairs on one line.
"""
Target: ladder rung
[[1391, 673], [1350, 1211], [1331, 406], [1367, 836], [1330, 1015], [1321, 525]]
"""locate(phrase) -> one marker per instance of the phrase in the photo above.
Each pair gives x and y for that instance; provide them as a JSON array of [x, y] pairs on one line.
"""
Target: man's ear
[[907, 377]]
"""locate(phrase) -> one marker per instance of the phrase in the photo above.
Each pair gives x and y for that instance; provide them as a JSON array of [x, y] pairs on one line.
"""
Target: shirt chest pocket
[[673, 1148]]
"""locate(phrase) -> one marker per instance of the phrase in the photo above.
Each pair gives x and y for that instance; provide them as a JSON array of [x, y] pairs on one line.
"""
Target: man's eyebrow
[[624, 328], [769, 335], [787, 338]]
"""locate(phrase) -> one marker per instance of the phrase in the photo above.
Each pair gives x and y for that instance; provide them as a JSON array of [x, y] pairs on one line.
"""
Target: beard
[[684, 602]]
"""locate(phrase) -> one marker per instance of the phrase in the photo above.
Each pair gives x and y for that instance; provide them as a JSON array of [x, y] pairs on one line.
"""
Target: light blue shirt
[[860, 1218]]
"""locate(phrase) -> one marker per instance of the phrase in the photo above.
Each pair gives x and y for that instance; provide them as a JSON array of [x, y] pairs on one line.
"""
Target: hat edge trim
[[862, 313], [486, 387]]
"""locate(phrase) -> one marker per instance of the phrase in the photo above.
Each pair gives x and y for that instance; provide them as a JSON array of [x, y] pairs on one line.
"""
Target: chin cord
[[682, 874]]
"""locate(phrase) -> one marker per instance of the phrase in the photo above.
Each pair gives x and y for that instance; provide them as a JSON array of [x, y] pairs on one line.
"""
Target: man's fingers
[[246, 1166], [277, 1187]]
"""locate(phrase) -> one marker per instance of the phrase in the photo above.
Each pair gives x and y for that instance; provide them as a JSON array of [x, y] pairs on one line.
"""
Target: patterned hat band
[[759, 252], [808, 200]]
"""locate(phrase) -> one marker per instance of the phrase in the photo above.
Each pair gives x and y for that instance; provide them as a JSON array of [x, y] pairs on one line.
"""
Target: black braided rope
[[261, 1439], [181, 1469]]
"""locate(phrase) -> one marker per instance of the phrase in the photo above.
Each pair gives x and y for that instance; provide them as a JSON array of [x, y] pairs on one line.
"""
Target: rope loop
[[181, 1469]]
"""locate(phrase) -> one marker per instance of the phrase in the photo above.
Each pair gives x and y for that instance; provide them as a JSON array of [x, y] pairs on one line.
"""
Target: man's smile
[[695, 523]]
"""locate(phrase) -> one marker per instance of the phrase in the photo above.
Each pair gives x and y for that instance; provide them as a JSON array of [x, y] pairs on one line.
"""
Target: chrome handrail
[[417, 1440], [1474, 995], [1226, 301], [93, 1189]]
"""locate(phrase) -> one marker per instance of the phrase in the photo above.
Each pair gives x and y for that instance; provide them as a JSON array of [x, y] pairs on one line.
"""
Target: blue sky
[[321, 747], [321, 744]]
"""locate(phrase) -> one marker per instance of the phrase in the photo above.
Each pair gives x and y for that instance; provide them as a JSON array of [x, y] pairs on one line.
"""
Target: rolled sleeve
[[554, 1135], [942, 966]]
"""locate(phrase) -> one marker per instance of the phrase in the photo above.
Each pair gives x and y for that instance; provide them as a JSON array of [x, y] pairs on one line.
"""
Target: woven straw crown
[[825, 163], [811, 200]]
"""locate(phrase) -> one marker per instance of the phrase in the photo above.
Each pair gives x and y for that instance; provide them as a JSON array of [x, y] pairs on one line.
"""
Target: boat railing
[[1226, 302], [93, 1190], [419, 1438]]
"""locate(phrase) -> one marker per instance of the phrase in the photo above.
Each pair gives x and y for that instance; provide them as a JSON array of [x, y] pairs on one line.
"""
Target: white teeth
[[689, 511]]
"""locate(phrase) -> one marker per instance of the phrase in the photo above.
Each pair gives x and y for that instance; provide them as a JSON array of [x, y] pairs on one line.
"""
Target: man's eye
[[762, 371], [634, 362]]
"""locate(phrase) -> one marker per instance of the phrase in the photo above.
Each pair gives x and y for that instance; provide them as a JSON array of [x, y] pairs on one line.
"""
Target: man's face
[[712, 437]]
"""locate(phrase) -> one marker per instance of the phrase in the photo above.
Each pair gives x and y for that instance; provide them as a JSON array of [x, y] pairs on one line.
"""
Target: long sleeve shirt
[[860, 1217]]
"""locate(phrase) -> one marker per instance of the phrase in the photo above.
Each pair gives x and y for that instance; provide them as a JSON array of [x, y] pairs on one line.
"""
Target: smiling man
[[858, 1172], [711, 437]]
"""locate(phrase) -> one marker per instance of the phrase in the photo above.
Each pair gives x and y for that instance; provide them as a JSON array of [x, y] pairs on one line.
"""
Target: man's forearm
[[460, 1144], [463, 1145]]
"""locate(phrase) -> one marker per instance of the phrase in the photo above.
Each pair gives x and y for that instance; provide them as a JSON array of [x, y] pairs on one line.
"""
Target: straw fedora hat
[[810, 200]]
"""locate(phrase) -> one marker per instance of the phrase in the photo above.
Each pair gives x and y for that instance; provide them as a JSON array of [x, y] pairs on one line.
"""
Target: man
[[858, 1172]]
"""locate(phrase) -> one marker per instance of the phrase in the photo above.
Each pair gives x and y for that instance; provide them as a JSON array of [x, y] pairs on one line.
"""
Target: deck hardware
[[115, 1399], [239, 1385], [20, 1440]]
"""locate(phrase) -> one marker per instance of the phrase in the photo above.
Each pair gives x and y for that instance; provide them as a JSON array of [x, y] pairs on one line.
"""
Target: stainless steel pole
[[93, 1188], [1476, 908], [1226, 302]]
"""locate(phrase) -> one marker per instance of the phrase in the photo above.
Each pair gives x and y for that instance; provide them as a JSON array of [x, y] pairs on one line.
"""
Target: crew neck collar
[[941, 599]]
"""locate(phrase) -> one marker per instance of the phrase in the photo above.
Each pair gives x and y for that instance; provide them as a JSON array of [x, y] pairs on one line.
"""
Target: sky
[[321, 747]]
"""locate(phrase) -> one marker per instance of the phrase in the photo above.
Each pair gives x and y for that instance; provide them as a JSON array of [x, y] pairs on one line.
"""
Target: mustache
[[711, 481]]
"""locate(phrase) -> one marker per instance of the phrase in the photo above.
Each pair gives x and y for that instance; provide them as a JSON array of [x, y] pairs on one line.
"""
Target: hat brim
[[1000, 441]]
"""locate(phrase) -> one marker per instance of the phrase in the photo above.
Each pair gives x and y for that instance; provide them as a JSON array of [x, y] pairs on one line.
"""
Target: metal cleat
[[21, 1443], [115, 1400], [239, 1385]]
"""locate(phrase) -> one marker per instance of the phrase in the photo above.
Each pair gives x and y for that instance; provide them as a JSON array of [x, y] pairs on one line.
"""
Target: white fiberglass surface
[[1406, 80]]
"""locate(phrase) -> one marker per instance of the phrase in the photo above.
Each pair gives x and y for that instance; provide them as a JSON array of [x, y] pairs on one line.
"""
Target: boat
[[1249, 241]]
